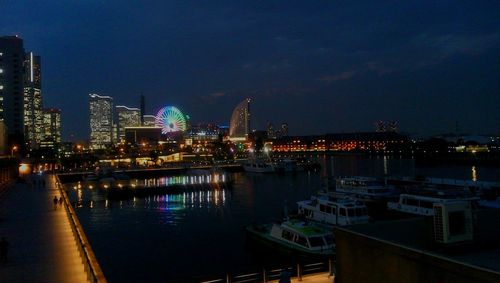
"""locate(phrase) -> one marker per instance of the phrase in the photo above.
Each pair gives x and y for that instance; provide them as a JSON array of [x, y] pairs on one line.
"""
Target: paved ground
[[42, 247], [320, 278]]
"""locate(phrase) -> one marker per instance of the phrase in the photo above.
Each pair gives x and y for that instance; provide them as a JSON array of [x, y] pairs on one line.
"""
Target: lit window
[[1, 87], [1, 71]]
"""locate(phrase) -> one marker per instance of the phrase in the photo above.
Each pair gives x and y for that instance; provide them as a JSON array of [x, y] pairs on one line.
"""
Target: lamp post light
[[14, 148]]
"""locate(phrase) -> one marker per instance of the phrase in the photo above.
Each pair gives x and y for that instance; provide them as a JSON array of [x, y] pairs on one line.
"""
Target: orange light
[[24, 169]]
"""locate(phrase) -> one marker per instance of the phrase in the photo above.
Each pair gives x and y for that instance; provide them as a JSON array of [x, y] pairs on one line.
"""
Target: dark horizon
[[321, 67]]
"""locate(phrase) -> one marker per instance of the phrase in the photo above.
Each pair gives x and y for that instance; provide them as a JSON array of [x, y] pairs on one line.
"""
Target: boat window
[[329, 239], [325, 208], [360, 211], [351, 212], [301, 241], [412, 202], [426, 204], [287, 235], [342, 211], [316, 241]]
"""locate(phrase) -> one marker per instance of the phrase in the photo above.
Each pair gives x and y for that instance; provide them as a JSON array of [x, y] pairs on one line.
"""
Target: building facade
[[12, 56], [239, 127], [148, 120], [370, 141], [51, 128], [101, 121], [33, 108], [126, 117]]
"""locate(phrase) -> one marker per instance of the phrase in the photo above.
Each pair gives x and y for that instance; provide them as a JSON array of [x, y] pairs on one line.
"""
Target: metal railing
[[92, 267], [267, 275]]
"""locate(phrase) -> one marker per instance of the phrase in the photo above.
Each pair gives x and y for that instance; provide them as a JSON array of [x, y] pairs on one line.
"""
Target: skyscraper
[[101, 120], [143, 109], [239, 126], [33, 109], [127, 117], [11, 87], [51, 128]]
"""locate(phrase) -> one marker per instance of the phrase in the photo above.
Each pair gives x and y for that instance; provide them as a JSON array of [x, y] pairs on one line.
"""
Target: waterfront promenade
[[42, 246]]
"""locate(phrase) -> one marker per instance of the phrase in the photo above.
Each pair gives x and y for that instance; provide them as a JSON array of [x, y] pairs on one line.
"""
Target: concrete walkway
[[42, 246], [318, 278]]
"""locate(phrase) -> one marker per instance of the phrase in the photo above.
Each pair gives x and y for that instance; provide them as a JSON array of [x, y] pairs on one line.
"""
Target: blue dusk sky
[[321, 66]]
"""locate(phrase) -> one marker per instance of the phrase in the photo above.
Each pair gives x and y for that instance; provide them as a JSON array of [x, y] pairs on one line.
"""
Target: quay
[[45, 244]]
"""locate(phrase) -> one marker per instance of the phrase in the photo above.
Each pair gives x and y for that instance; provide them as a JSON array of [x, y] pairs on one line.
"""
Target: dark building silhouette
[[12, 57]]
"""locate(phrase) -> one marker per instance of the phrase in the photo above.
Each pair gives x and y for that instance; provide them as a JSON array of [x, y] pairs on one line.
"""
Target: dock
[[43, 245]]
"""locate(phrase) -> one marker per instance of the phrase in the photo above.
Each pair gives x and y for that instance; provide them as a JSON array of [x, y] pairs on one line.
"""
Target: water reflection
[[165, 202]]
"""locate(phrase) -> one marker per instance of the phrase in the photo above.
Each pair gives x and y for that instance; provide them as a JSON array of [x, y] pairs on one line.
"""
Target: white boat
[[330, 211], [295, 235], [365, 188], [423, 203]]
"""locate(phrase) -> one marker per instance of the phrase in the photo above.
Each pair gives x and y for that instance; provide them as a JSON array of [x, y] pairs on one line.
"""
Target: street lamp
[[14, 148]]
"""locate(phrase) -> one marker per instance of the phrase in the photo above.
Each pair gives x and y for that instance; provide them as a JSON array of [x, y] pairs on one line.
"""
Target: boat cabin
[[333, 212]]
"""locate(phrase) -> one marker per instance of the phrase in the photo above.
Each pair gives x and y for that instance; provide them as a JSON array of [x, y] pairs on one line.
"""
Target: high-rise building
[[101, 120], [143, 109], [33, 109], [11, 87], [239, 127], [127, 117], [284, 129], [51, 128], [270, 130]]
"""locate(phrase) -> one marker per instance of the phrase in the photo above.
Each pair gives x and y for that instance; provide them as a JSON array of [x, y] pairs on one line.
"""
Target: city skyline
[[321, 67]]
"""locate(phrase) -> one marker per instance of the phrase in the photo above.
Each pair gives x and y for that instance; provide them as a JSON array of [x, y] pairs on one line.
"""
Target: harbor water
[[200, 233]]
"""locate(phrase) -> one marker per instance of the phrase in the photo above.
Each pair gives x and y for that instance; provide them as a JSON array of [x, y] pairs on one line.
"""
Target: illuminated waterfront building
[[375, 141], [12, 56], [51, 128], [239, 127], [127, 117], [101, 120], [203, 132], [148, 120], [33, 108]]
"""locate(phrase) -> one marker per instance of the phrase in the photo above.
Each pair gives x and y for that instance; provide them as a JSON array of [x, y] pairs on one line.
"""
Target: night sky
[[321, 66]]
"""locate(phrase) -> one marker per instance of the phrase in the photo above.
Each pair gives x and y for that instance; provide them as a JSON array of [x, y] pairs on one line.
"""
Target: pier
[[45, 243]]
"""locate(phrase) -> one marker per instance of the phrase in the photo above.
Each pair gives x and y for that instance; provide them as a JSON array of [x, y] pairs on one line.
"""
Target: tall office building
[[51, 128], [101, 120], [143, 109], [239, 127], [33, 109], [12, 56], [127, 117]]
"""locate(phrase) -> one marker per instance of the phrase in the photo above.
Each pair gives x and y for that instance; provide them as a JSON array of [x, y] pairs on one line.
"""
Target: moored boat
[[333, 211], [365, 188], [295, 235]]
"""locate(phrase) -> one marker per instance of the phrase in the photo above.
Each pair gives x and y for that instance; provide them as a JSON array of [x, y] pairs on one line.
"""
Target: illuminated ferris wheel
[[170, 119]]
